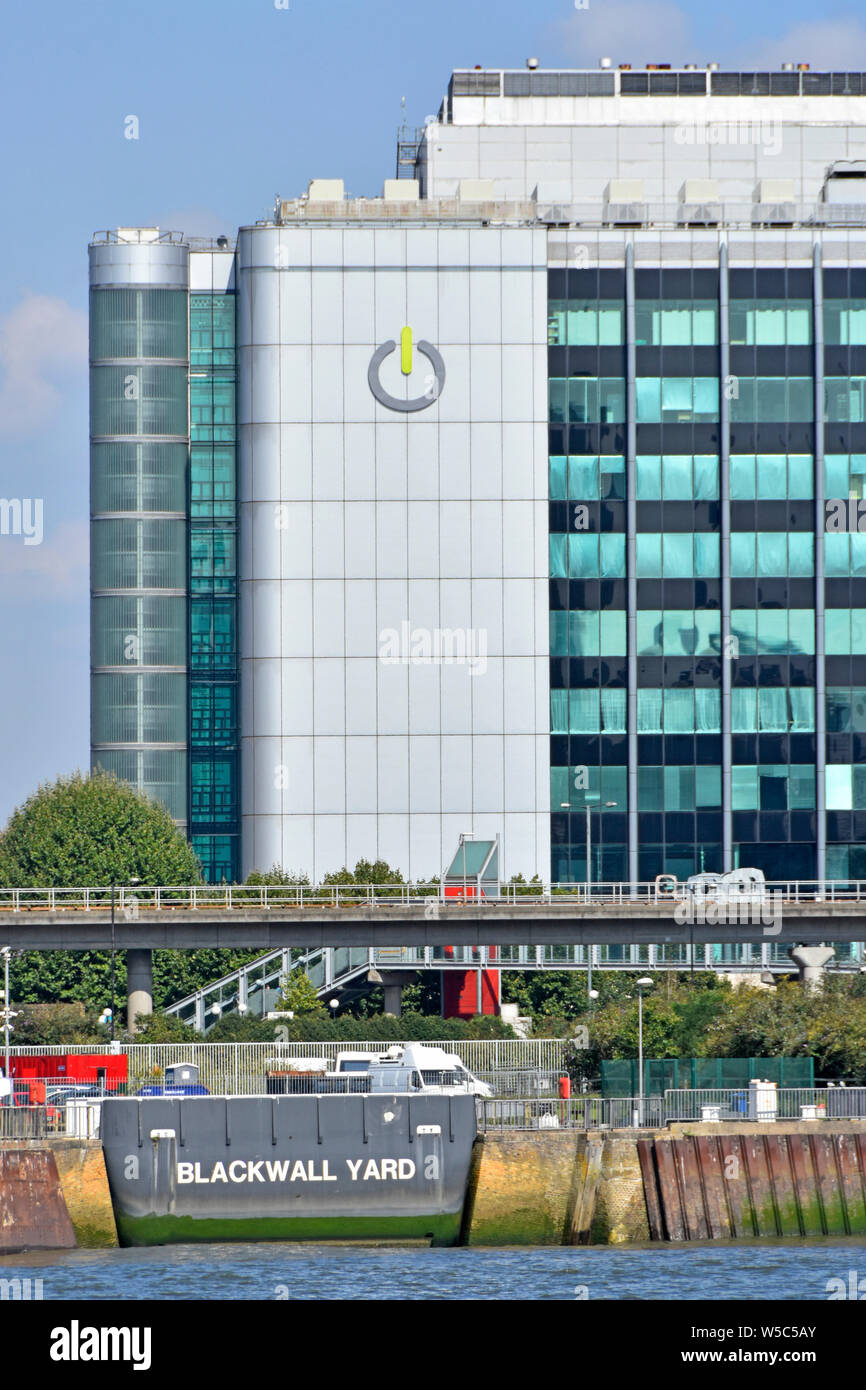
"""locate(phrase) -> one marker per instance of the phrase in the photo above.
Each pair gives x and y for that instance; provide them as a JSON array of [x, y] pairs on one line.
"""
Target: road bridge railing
[[422, 897]]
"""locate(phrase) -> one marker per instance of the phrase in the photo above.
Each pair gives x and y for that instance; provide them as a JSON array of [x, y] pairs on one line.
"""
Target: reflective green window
[[845, 631], [213, 643], [677, 555], [675, 400], [678, 632], [679, 788], [770, 322], [780, 787], [213, 789], [764, 554], [586, 555], [846, 710], [770, 476], [586, 477], [213, 491], [773, 631], [772, 709], [676, 323], [768, 399], [558, 477], [213, 716], [212, 557], [212, 330], [218, 855], [590, 711], [579, 787], [844, 554], [677, 477], [588, 633], [844, 474], [212, 409], [846, 787], [845, 322], [584, 323], [845, 398], [675, 711]]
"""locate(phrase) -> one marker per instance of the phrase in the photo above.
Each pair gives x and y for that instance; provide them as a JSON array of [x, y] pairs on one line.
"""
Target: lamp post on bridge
[[133, 883]]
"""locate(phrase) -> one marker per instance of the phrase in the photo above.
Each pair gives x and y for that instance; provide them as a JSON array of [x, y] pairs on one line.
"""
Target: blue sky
[[236, 100]]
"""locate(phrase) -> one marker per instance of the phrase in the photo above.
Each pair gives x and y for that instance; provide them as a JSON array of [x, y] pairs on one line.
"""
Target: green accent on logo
[[406, 351]]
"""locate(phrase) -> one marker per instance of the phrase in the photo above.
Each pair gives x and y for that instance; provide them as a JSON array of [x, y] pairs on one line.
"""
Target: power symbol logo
[[436, 380]]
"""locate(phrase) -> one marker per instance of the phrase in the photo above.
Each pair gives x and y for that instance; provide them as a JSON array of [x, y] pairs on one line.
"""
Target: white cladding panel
[[394, 564], [569, 150]]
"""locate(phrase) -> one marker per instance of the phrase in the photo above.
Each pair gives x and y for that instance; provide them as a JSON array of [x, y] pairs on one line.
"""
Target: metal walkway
[[344, 971]]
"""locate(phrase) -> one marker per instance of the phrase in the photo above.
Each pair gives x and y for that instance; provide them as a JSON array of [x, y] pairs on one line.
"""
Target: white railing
[[129, 902]]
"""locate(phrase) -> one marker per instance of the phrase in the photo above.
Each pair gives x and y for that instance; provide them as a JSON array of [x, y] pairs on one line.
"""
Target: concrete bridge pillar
[[139, 986], [810, 961], [394, 981]]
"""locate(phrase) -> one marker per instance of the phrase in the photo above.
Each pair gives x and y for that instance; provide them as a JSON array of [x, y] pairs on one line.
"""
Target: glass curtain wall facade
[[683, 447], [139, 452], [213, 579], [164, 650], [588, 672], [844, 319]]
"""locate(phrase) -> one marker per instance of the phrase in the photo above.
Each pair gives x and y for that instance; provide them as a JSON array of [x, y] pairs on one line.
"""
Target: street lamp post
[[7, 1009], [133, 882], [643, 983], [566, 806], [112, 958]]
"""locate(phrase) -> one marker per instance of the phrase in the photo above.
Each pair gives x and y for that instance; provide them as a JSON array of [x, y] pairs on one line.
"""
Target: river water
[[762, 1270]]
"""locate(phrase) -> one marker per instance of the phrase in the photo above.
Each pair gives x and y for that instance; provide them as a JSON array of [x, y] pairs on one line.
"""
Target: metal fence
[[788, 1103], [578, 1112], [25, 1122], [241, 1068]]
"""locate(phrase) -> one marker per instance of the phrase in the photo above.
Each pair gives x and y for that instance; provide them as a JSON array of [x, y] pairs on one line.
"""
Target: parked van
[[424, 1070]]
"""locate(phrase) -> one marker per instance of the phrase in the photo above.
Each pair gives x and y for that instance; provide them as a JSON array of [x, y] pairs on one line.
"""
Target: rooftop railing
[[743, 215]]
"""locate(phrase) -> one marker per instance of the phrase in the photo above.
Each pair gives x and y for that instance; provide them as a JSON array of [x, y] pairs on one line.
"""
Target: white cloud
[[628, 32], [834, 45], [41, 339], [632, 31]]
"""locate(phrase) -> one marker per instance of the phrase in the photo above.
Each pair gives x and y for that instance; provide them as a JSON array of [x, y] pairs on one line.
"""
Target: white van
[[424, 1070]]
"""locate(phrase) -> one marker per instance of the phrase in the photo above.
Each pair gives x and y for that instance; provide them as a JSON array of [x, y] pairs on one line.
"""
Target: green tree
[[165, 1028], [277, 877], [365, 872], [83, 832], [298, 995]]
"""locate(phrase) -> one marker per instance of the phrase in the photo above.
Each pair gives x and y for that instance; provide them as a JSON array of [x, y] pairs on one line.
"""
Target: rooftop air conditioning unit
[[625, 214], [699, 203], [624, 202], [845, 183]]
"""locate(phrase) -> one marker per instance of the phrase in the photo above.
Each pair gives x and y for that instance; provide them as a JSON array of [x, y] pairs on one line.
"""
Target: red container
[[565, 1088]]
